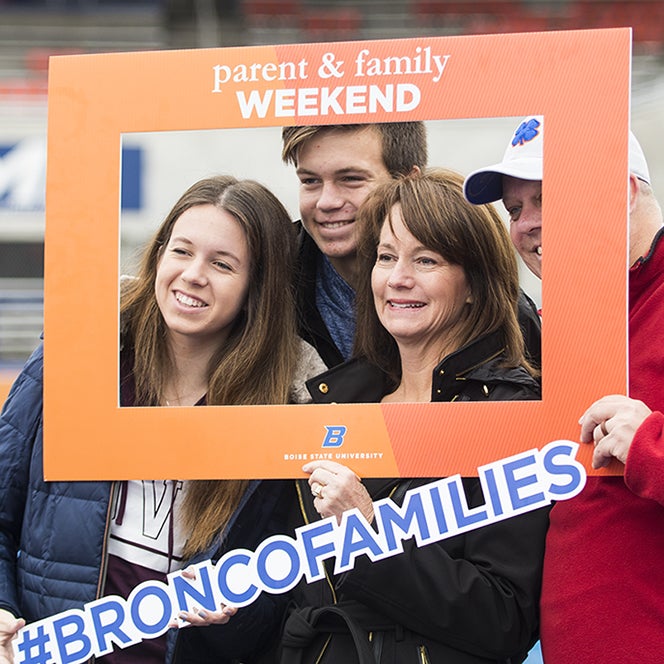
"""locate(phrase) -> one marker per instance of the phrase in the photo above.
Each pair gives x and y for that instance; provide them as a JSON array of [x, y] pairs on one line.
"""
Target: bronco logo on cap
[[526, 132]]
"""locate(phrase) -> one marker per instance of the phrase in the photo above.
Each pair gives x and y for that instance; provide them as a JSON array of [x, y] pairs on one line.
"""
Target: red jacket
[[603, 586]]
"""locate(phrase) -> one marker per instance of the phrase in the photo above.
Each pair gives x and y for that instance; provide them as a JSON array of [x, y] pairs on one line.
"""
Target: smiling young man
[[338, 166]]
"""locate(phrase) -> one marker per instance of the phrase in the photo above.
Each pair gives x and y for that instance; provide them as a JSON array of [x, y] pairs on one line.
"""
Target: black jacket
[[472, 598], [312, 328]]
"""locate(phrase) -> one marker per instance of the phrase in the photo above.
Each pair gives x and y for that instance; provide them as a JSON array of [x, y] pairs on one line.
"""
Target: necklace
[[177, 400]]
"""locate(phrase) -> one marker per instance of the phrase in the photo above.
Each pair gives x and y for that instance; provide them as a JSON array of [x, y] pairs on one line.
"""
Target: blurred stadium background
[[33, 30]]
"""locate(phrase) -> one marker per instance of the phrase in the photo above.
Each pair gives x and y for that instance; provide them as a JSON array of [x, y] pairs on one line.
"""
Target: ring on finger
[[317, 492], [602, 426]]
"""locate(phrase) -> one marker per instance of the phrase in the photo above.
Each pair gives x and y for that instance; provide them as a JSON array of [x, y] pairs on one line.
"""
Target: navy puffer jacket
[[53, 537], [56, 525]]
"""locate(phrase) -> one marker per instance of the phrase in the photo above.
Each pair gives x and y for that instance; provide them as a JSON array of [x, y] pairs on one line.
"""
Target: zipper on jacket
[[307, 522], [327, 576], [323, 649], [424, 656], [104, 550], [107, 529]]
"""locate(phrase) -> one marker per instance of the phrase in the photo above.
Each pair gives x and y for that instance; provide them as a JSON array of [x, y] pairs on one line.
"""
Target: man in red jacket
[[603, 586]]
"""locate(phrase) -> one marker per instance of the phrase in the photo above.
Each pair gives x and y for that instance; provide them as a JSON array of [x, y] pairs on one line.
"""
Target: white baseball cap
[[523, 159], [637, 160]]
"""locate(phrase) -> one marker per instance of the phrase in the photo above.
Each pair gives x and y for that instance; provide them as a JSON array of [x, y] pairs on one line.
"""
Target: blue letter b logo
[[334, 436]]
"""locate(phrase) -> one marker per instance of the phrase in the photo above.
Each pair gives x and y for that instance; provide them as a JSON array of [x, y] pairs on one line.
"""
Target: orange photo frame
[[580, 82]]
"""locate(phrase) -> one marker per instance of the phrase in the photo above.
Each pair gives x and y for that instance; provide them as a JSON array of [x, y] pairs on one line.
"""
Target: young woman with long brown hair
[[208, 320]]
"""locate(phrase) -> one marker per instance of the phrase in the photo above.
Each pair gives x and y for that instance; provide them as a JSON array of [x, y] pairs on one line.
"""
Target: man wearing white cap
[[517, 180], [603, 585]]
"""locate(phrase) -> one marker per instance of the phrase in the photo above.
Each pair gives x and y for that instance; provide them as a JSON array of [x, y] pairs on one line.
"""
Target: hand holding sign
[[336, 488], [201, 617], [9, 627]]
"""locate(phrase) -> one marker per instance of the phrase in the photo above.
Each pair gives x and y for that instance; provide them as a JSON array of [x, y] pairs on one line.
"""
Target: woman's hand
[[9, 627], [337, 488], [202, 617]]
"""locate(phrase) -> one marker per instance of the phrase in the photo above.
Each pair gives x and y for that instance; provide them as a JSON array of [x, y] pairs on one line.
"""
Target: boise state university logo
[[334, 436]]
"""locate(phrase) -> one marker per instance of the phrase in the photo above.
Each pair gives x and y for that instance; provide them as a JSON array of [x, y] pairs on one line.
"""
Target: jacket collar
[[355, 381], [463, 364], [358, 381]]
